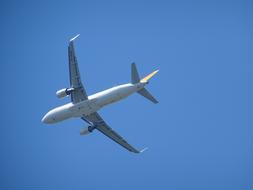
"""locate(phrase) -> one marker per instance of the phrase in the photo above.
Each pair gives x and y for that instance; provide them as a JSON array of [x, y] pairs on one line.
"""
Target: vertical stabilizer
[[134, 74]]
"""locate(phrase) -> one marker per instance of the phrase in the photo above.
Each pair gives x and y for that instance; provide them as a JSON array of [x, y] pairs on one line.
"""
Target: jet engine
[[87, 130], [64, 92]]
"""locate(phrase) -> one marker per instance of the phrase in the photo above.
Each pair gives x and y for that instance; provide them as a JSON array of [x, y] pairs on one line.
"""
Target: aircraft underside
[[86, 107]]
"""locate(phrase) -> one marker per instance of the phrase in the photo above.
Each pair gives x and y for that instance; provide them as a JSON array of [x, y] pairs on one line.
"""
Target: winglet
[[72, 39], [144, 149]]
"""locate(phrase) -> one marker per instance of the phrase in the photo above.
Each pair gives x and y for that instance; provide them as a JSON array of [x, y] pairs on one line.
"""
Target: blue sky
[[199, 135]]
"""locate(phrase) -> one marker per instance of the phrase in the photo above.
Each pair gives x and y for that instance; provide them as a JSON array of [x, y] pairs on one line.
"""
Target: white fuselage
[[92, 104]]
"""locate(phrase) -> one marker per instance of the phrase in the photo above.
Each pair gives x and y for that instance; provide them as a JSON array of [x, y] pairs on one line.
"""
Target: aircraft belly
[[63, 116], [112, 97], [59, 114], [107, 99], [84, 108]]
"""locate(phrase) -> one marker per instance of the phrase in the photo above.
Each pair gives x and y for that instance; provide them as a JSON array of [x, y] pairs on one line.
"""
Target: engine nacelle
[[64, 92], [86, 130]]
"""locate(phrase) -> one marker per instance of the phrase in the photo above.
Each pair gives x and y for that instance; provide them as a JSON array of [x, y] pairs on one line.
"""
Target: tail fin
[[136, 79], [134, 74]]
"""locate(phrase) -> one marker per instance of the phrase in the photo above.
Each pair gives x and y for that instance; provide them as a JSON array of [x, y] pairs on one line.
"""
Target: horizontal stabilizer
[[147, 95], [146, 79]]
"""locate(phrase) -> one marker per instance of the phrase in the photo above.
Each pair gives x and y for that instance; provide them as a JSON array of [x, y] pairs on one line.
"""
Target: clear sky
[[200, 135]]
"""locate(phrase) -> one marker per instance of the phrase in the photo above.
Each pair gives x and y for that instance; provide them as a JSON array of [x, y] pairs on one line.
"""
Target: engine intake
[[64, 92]]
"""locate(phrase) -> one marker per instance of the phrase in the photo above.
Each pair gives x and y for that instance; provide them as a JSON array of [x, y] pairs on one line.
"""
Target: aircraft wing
[[79, 94], [100, 125]]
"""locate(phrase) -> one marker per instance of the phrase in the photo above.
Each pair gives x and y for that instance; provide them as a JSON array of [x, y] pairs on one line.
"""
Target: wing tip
[[143, 150], [72, 39]]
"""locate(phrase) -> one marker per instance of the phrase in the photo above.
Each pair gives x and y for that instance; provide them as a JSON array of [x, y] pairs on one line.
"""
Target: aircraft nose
[[45, 119]]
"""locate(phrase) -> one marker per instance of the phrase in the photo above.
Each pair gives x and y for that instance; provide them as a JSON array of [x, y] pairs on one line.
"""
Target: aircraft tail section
[[136, 79], [134, 74], [147, 95], [146, 79]]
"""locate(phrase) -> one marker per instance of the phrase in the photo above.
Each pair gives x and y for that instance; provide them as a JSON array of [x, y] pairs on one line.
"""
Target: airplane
[[86, 107]]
